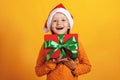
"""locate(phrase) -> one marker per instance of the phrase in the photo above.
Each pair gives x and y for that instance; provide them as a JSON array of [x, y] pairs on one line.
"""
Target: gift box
[[65, 45]]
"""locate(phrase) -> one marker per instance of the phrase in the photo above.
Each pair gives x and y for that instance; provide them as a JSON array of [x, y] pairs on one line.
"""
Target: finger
[[76, 60], [54, 60], [60, 60], [64, 59], [60, 57]]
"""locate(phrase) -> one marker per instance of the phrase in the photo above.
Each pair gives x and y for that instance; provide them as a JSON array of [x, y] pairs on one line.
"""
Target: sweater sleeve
[[84, 65], [43, 67]]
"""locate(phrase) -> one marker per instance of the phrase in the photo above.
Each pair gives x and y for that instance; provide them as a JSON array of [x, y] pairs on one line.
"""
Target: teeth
[[59, 28]]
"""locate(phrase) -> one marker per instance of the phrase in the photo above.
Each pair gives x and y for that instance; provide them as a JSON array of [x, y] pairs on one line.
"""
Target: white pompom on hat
[[59, 8]]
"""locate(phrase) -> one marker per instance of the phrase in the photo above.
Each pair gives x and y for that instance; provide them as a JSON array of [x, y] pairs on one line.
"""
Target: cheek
[[52, 27], [68, 27]]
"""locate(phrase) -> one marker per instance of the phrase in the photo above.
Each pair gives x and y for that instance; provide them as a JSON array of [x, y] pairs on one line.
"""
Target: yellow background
[[96, 21]]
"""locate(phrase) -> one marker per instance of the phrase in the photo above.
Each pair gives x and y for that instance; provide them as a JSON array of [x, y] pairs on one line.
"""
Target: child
[[60, 22]]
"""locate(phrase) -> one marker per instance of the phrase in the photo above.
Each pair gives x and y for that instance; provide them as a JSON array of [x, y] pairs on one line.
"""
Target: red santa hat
[[59, 8]]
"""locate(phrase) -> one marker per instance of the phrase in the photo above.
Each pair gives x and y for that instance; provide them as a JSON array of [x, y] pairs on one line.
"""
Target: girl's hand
[[67, 61], [70, 63], [58, 60]]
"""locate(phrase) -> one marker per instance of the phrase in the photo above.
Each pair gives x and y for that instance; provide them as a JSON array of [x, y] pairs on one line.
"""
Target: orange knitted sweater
[[61, 71]]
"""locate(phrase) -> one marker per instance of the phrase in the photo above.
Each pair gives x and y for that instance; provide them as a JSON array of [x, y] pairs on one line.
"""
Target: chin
[[60, 33]]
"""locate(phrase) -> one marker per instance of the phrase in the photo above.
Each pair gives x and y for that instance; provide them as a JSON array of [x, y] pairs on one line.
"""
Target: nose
[[58, 22]]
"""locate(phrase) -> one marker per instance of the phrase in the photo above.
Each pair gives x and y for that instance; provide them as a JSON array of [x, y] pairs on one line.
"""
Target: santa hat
[[59, 8]]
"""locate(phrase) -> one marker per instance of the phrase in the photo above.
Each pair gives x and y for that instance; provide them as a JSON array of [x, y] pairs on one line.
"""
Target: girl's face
[[60, 24]]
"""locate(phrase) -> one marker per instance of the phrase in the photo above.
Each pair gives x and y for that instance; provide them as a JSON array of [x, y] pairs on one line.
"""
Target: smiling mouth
[[59, 28]]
